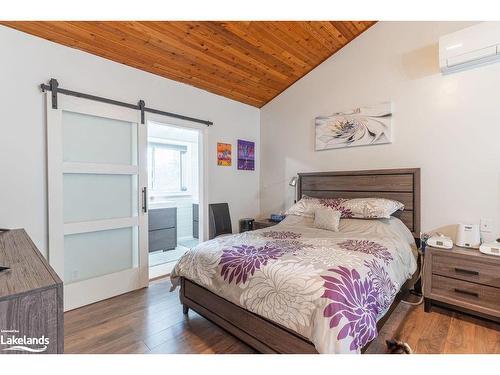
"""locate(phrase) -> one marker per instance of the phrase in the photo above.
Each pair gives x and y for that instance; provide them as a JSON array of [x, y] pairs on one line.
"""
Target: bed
[[294, 288]]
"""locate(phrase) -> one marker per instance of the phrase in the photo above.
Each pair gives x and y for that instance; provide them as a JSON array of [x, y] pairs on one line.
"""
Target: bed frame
[[268, 337]]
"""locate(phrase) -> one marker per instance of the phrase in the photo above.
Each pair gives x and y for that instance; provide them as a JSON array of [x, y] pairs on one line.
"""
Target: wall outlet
[[486, 225]]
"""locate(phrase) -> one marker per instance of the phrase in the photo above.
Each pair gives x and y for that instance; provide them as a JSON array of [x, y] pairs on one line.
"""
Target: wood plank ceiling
[[251, 62]]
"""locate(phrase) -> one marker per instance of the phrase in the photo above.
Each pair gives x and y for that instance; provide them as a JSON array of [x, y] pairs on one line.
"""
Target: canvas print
[[224, 154], [246, 155], [358, 127]]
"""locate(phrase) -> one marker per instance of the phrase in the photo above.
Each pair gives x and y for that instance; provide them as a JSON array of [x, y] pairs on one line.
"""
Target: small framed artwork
[[246, 155], [224, 154]]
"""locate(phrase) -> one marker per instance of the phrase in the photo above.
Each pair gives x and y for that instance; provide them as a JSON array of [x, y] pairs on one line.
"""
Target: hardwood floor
[[151, 321]]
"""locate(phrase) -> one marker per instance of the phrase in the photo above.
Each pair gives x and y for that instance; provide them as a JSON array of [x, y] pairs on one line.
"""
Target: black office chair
[[219, 220]]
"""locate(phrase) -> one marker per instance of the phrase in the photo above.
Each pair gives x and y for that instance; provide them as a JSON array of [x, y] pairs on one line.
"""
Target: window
[[167, 168]]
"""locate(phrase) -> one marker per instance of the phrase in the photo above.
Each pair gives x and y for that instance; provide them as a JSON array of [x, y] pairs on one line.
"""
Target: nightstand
[[462, 279], [263, 223]]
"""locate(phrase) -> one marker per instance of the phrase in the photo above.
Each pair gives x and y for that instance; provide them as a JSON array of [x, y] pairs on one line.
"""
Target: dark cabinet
[[162, 229]]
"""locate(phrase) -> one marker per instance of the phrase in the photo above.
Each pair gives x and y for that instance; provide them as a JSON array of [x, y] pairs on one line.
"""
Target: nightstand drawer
[[469, 294], [466, 269]]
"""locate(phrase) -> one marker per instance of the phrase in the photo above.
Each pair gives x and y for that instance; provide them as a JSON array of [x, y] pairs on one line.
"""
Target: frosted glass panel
[[97, 196], [92, 139], [94, 254]]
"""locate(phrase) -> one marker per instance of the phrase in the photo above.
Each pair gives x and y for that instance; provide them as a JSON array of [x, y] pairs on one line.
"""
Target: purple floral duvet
[[330, 287]]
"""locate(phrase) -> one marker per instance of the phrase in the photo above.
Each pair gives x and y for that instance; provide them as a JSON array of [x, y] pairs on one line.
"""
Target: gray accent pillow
[[326, 218]]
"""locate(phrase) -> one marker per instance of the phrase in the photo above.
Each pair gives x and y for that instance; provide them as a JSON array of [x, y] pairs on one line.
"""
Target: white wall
[[448, 125], [27, 61]]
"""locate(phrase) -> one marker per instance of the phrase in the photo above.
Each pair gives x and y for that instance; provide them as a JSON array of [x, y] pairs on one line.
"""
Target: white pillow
[[304, 207], [295, 220], [326, 218], [360, 208], [363, 208], [373, 208]]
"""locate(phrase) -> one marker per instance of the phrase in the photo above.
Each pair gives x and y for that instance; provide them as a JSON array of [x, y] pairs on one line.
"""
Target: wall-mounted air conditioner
[[474, 45]]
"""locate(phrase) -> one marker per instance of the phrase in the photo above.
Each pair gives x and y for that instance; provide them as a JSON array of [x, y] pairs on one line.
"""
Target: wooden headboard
[[402, 185]]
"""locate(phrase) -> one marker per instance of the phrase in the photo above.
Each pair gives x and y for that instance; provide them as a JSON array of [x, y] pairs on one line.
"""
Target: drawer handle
[[466, 292], [467, 272]]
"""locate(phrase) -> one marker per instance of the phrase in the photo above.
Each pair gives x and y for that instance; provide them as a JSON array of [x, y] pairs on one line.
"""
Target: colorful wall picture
[[224, 154], [358, 127], [246, 155]]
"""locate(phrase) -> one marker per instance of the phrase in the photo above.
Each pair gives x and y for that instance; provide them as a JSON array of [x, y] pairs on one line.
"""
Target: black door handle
[[144, 199]]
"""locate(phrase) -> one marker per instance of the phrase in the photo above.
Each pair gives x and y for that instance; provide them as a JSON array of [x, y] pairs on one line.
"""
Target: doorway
[[174, 193]]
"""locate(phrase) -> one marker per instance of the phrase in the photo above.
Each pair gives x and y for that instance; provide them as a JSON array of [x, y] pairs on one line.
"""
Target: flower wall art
[[358, 127]]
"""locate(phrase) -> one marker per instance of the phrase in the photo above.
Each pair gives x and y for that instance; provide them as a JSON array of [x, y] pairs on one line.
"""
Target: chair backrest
[[219, 220]]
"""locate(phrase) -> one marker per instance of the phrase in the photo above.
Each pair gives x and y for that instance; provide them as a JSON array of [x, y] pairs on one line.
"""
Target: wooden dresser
[[31, 299], [463, 279]]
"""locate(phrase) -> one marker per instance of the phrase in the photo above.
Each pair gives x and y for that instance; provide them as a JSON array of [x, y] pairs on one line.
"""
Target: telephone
[[440, 241]]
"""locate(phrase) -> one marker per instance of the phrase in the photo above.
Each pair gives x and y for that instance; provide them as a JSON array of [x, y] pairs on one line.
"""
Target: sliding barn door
[[97, 181]]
